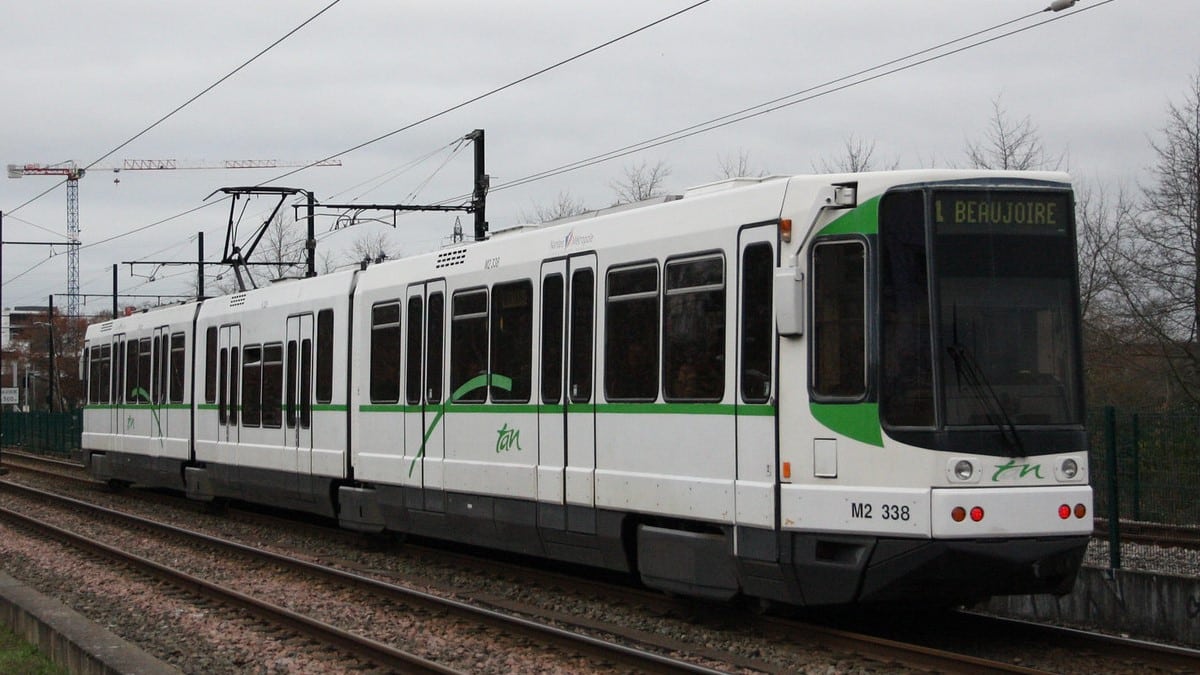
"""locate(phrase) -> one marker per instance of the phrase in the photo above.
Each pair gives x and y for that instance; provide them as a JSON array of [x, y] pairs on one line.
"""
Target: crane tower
[[72, 173]]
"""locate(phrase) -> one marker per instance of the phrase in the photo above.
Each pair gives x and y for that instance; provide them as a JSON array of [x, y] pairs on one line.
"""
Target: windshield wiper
[[968, 370]]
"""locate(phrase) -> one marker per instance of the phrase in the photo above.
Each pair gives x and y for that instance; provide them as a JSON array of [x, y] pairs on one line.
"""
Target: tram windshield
[[989, 339]]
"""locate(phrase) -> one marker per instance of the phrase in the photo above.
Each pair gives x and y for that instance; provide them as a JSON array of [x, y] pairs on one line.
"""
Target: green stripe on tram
[[584, 408], [137, 406]]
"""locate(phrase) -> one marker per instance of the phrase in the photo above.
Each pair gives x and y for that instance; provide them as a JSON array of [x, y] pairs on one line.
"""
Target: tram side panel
[[272, 425], [664, 436], [148, 416]]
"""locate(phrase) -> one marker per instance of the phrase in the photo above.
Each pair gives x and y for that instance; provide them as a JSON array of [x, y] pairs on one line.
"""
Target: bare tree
[[282, 247], [373, 246], [326, 263], [641, 182], [1160, 275], [738, 167], [1009, 144], [1117, 368], [859, 156], [564, 206], [1102, 217]]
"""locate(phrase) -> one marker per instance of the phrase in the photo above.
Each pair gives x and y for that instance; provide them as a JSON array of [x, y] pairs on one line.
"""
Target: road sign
[[10, 396]]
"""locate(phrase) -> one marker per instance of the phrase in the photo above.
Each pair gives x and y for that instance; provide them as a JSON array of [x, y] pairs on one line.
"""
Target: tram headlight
[[1070, 468], [964, 469]]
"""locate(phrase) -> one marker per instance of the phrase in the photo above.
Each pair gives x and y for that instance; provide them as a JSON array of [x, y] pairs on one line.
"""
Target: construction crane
[[72, 172]]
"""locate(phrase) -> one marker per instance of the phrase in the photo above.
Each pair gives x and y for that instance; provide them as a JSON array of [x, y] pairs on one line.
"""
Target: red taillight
[[976, 513], [1080, 510], [958, 514], [1064, 512]]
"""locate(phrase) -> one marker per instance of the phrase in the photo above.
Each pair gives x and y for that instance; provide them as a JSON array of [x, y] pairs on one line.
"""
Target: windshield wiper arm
[[967, 369]]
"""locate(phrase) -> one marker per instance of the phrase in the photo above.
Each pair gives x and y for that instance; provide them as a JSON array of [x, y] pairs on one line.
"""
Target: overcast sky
[[81, 78]]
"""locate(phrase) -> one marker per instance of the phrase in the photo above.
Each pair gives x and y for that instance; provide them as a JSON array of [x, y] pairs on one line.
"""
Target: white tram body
[[816, 389]]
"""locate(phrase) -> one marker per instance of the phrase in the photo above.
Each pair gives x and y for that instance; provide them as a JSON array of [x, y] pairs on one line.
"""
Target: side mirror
[[789, 301]]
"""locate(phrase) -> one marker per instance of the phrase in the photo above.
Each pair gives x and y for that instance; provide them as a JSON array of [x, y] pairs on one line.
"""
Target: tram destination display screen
[[994, 211]]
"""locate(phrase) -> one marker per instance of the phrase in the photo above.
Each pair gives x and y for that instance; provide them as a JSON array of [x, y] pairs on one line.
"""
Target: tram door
[[552, 421], [755, 400], [116, 414], [158, 385], [298, 369], [229, 370], [580, 478], [424, 437]]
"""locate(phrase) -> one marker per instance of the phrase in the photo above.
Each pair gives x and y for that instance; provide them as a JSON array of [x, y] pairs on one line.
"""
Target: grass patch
[[18, 657]]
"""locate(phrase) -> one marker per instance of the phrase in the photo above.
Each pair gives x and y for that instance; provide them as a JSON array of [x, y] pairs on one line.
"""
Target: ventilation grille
[[451, 258], [106, 327], [237, 300]]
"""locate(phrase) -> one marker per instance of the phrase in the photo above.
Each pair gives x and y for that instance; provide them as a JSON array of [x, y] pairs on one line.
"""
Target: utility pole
[[72, 172], [477, 205], [50, 352], [482, 183]]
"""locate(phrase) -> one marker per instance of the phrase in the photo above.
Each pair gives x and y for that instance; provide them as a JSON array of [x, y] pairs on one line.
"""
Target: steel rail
[[644, 661], [356, 645]]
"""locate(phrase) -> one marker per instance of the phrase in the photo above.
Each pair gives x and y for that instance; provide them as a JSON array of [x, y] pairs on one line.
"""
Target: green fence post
[[1114, 510], [1136, 474]]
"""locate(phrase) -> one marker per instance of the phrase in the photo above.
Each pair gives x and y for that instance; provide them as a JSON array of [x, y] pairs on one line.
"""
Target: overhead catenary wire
[[499, 89], [772, 105], [378, 138], [373, 140], [808, 94], [185, 104]]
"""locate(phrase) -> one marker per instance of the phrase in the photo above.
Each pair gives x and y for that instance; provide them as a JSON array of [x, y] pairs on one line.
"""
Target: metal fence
[[1145, 466], [48, 433]]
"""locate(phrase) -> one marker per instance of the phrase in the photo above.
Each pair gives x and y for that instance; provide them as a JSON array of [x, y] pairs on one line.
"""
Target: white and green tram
[[829, 389]]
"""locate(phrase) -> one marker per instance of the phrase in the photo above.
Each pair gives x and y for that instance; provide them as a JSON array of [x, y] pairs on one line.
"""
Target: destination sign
[[996, 211]]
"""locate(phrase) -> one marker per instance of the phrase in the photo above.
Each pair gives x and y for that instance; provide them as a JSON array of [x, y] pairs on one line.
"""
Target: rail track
[[372, 595], [1154, 534], [915, 650]]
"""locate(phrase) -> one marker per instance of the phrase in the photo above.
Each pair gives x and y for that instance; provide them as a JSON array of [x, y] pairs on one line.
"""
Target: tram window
[[552, 334], [324, 356], [234, 400], [839, 320], [131, 371], [141, 391], [89, 370], [97, 367], [385, 353], [210, 364], [512, 341], [583, 283], [224, 364], [90, 357], [468, 345], [306, 358], [694, 329], [289, 387], [105, 372], [412, 386], [433, 353], [118, 367], [631, 334], [906, 376], [758, 261], [252, 386], [155, 396], [272, 386], [160, 366], [177, 367]]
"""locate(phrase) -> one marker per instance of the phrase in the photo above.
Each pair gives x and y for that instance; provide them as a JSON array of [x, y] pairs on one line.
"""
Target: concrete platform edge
[[68, 638], [1143, 604]]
